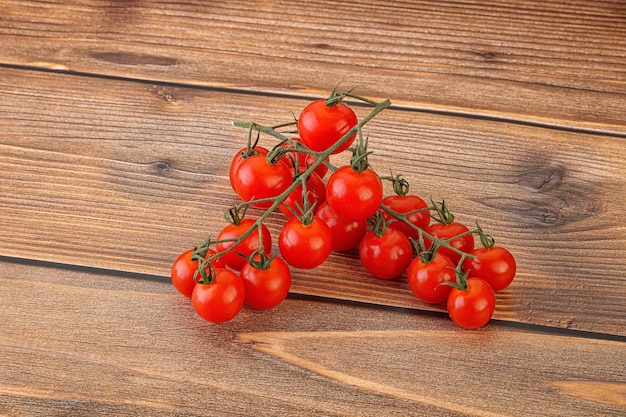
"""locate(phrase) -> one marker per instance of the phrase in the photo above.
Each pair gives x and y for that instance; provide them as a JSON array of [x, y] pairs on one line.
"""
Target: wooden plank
[[64, 330], [109, 174], [554, 63]]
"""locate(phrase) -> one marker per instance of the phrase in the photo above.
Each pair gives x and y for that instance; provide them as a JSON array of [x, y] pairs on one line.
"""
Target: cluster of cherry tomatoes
[[329, 208]]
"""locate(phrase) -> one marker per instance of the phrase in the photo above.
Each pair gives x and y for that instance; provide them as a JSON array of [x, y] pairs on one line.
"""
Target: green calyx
[[205, 273], [358, 161], [400, 185], [487, 241], [261, 260], [444, 215], [378, 224]]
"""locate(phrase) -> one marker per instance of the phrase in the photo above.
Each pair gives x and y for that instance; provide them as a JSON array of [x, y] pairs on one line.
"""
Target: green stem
[[445, 243], [320, 157]]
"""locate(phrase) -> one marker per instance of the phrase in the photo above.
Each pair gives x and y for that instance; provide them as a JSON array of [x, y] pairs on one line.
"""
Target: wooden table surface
[[115, 142]]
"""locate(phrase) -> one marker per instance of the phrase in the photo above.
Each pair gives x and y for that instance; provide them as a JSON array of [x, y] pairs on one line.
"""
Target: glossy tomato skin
[[305, 246], [247, 246], [321, 126], [406, 204], [347, 234], [183, 270], [446, 231], [426, 278], [472, 308], [316, 192], [495, 265], [266, 288], [354, 195], [388, 256], [256, 179], [241, 156], [222, 299]]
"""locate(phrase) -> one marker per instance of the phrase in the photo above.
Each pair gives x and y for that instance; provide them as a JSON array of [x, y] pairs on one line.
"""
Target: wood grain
[[125, 175], [556, 63], [528, 381], [80, 342]]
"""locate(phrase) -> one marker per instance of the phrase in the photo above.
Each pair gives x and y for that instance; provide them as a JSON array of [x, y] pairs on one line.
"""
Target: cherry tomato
[[305, 246], [241, 156], [495, 265], [426, 278], [316, 194], [354, 195], [406, 204], [321, 126], [447, 231], [386, 256], [266, 288], [183, 270], [347, 234], [305, 160], [247, 246], [220, 300], [256, 179], [473, 307]]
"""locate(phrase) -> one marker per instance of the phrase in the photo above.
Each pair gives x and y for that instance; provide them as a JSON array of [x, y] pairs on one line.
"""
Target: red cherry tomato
[[256, 179], [354, 195], [406, 204], [387, 256], [266, 288], [473, 307], [447, 231], [184, 269], [241, 156], [247, 246], [495, 265], [316, 192], [426, 278], [305, 246], [321, 126], [222, 299], [347, 234]]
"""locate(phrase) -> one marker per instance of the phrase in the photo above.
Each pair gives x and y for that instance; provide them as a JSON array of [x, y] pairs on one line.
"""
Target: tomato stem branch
[[320, 158]]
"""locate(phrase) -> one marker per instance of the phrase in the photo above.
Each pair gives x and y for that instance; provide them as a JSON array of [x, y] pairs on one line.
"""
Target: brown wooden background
[[115, 140]]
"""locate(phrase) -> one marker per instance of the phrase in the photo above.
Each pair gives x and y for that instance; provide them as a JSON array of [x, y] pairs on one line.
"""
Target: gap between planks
[[528, 327]]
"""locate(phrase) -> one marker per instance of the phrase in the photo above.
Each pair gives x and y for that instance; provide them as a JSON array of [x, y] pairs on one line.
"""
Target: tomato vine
[[331, 215]]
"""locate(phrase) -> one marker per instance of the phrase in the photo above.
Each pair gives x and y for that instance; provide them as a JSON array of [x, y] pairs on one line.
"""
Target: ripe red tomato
[[347, 234], [266, 288], [241, 156], [247, 246], [321, 126], [354, 195], [316, 194], [220, 300], [495, 265], [406, 204], [304, 160], [305, 246], [386, 256], [473, 307], [426, 278], [447, 231], [184, 269], [256, 179]]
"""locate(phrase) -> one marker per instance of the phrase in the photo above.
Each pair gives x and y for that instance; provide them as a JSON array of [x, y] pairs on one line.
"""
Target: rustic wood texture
[[555, 63], [85, 355], [107, 173], [115, 141]]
